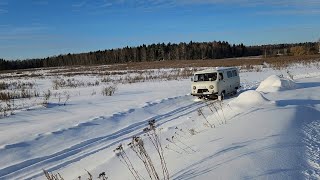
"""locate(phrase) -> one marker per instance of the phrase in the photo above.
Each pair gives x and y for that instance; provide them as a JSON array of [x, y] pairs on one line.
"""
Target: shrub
[[46, 97], [109, 90], [5, 96], [137, 145], [3, 86]]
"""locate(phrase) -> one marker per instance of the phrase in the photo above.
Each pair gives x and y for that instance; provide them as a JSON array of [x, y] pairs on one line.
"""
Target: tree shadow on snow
[[297, 102], [304, 85]]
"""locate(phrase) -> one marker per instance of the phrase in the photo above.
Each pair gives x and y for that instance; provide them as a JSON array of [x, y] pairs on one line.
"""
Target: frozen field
[[266, 132]]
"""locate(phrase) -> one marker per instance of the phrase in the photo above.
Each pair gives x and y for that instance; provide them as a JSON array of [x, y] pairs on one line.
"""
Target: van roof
[[216, 69]]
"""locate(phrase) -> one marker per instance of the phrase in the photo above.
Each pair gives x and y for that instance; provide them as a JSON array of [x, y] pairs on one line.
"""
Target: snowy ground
[[271, 133]]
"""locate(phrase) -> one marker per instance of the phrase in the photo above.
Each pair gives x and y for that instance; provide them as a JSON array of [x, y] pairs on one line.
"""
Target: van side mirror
[[192, 79]]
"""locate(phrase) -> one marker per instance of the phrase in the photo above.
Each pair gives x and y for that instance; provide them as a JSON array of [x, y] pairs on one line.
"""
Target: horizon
[[42, 28]]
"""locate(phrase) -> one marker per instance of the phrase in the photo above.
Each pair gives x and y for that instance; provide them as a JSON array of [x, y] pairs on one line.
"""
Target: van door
[[230, 81], [236, 79], [222, 82]]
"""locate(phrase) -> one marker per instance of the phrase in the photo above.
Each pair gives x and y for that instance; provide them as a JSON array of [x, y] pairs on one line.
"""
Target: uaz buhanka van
[[214, 83]]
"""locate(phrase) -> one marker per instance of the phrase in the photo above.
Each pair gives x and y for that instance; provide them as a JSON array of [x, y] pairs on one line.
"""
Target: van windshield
[[205, 77]]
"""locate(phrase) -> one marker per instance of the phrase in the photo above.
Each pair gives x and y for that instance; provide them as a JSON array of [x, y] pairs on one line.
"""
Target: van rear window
[[205, 77]]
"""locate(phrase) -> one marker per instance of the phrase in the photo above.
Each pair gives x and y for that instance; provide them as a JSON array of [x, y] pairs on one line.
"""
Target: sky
[[41, 28]]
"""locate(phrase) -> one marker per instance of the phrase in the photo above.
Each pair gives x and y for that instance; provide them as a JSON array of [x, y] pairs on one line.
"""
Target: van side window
[[220, 76], [229, 74], [234, 72]]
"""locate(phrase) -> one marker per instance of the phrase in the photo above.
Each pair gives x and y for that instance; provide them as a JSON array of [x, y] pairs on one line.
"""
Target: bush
[[46, 97], [5, 96], [109, 90]]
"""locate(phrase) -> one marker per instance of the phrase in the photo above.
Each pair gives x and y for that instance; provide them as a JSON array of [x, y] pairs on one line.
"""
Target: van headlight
[[211, 86], [194, 87]]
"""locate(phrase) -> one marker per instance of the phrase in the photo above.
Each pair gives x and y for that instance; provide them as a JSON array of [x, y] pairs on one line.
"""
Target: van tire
[[222, 95], [234, 92]]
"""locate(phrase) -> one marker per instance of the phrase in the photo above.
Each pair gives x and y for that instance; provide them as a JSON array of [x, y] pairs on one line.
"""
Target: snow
[[248, 99], [270, 130], [275, 83]]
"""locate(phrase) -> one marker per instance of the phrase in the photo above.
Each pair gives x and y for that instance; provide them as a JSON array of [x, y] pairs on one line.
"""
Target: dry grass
[[72, 83], [137, 145], [13, 90], [122, 69], [53, 176]]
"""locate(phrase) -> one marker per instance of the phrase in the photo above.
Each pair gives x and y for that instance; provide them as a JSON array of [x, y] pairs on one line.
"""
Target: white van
[[214, 83]]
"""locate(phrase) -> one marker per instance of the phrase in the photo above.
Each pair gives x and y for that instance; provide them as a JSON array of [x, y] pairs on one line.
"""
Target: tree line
[[157, 52]]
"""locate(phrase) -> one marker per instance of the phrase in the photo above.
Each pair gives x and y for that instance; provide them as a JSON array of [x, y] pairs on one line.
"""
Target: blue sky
[[40, 28]]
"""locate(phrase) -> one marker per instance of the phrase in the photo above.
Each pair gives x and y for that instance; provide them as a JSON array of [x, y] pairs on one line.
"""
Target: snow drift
[[248, 99], [275, 83]]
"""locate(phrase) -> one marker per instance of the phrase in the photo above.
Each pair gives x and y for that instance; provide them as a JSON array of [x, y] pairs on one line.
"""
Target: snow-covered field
[[266, 132]]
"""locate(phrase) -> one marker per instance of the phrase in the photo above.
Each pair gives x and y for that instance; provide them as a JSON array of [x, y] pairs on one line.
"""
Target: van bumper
[[205, 94]]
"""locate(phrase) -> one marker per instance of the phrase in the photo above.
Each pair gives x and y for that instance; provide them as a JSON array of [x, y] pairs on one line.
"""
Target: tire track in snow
[[33, 167]]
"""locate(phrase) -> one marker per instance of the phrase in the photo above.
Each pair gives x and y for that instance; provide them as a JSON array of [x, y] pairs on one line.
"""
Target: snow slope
[[262, 134]]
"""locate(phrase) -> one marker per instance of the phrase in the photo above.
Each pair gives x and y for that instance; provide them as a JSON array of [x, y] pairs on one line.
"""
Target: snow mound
[[248, 99], [275, 83]]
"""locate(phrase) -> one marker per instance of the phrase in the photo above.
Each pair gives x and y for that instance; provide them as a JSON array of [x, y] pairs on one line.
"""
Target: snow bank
[[248, 99], [275, 83]]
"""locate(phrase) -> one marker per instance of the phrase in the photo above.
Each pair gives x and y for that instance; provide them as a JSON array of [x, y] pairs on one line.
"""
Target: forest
[[163, 52]]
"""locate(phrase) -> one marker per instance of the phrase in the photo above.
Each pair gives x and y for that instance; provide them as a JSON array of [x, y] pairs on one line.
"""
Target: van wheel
[[234, 92], [222, 95]]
